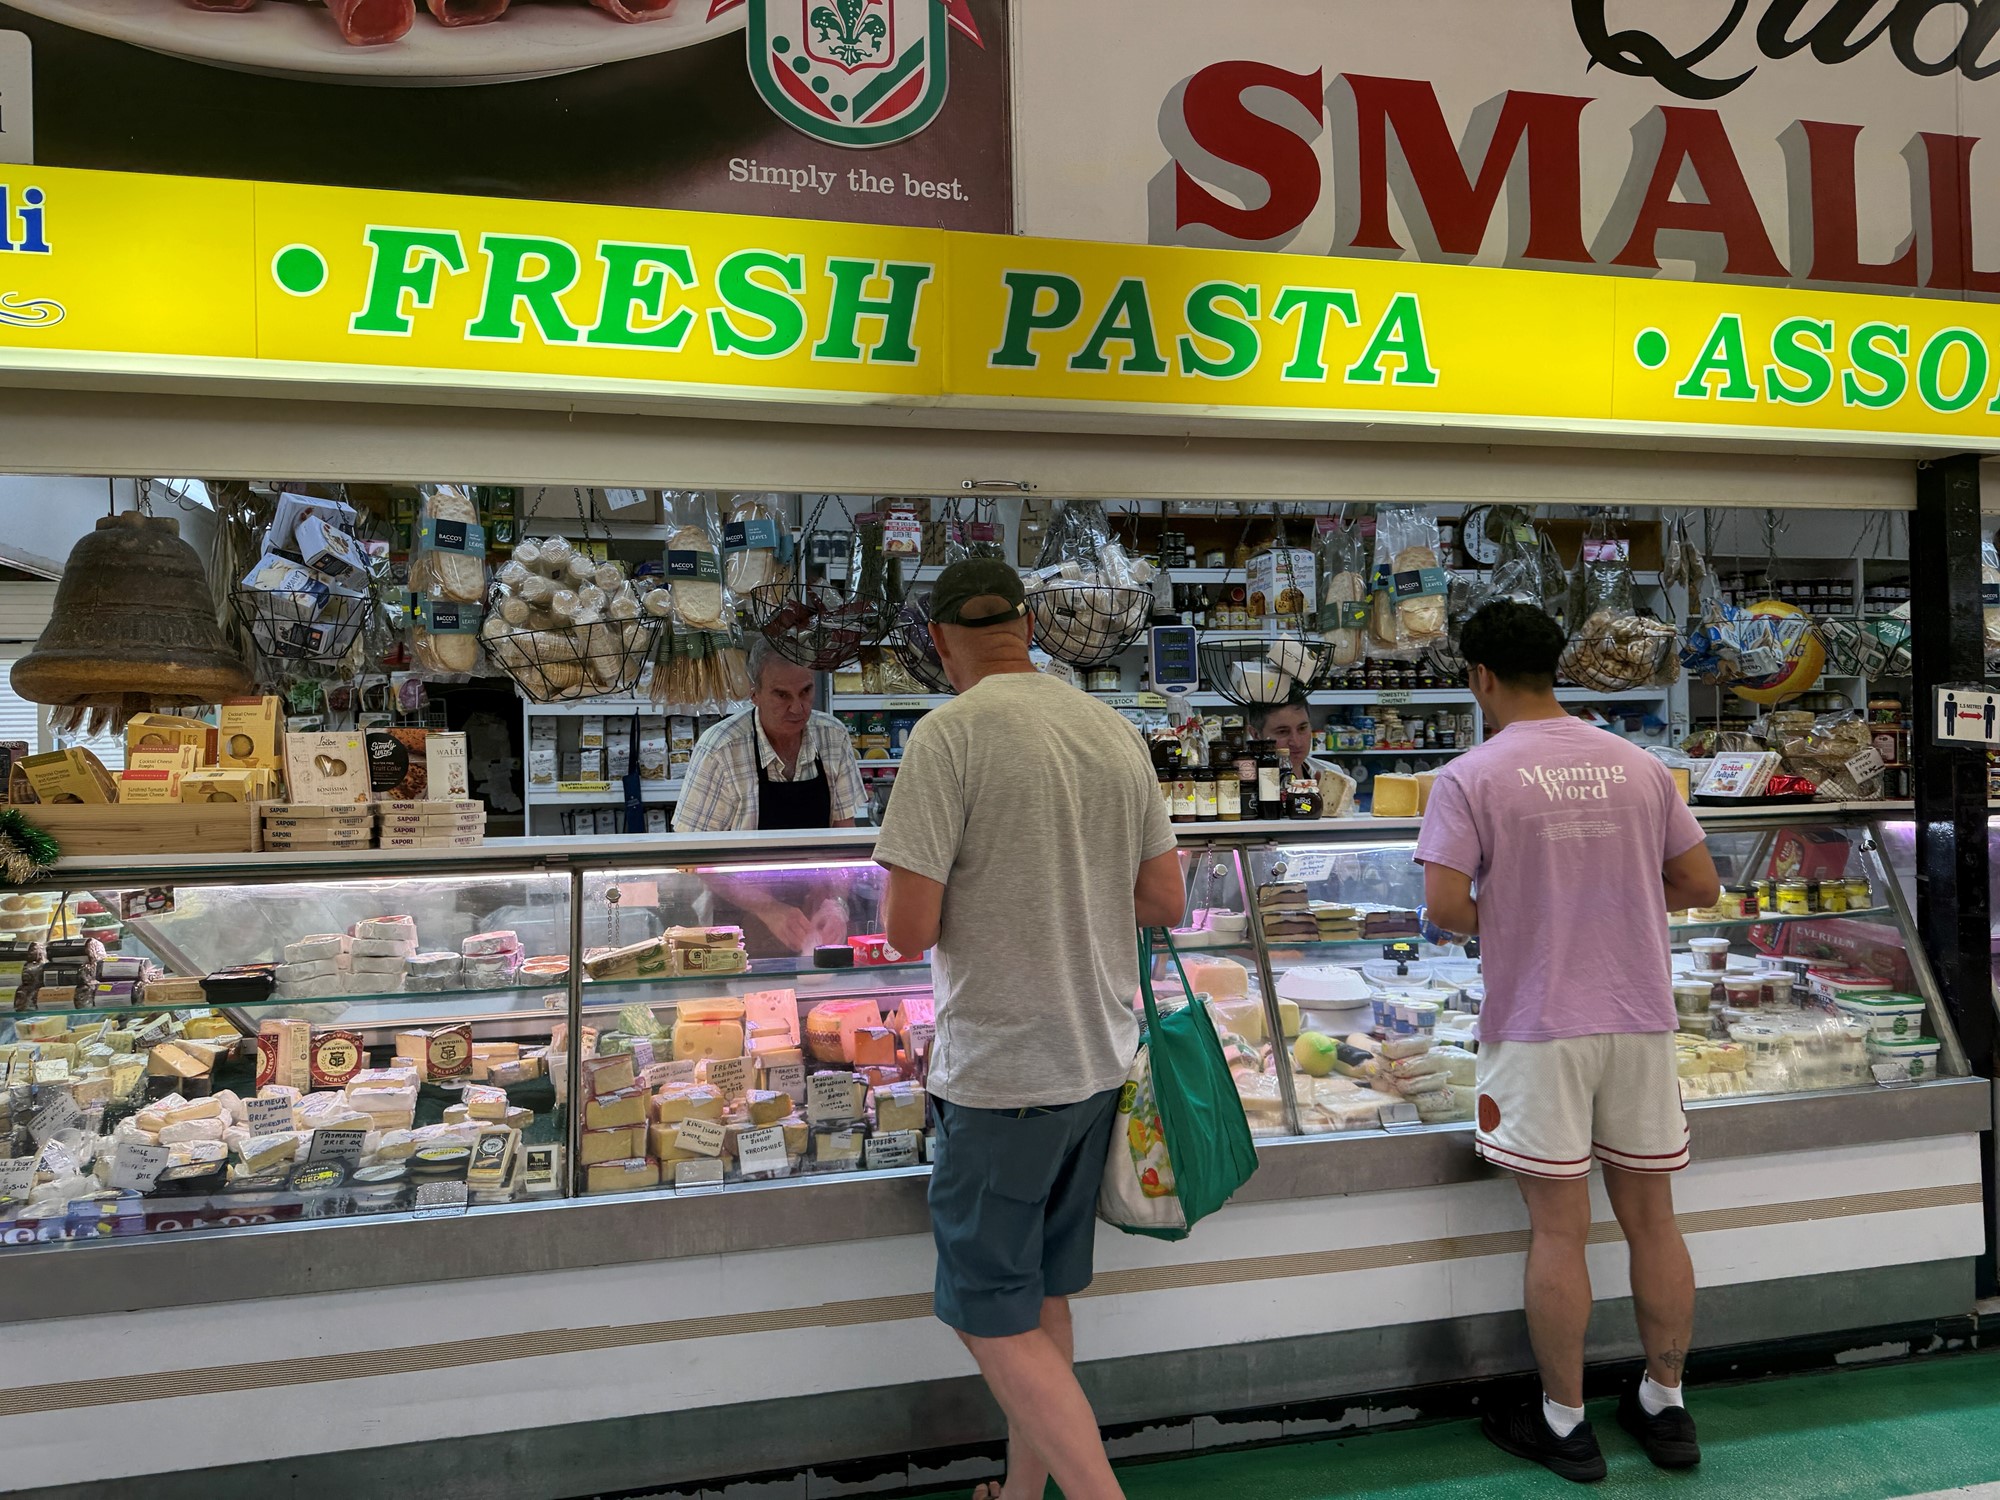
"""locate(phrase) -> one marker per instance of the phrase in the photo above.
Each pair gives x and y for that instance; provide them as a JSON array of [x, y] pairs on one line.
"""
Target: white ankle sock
[[1562, 1420], [1655, 1398]]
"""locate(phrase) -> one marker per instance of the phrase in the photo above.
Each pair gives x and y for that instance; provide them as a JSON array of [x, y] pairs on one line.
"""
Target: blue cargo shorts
[[1014, 1209]]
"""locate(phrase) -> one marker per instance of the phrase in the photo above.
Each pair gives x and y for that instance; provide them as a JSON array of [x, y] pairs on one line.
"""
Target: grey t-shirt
[[1034, 806]]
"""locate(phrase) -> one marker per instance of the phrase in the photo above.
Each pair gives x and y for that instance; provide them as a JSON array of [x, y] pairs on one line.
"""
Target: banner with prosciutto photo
[[892, 112]]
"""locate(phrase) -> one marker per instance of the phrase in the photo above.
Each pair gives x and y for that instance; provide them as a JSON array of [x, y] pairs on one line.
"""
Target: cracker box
[[247, 732], [73, 775], [327, 769], [145, 732]]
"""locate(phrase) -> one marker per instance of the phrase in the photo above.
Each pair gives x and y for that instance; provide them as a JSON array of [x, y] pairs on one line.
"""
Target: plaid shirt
[[720, 789]]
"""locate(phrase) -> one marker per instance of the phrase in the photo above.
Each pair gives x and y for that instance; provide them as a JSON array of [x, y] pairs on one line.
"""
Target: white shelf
[[653, 792], [1414, 754], [622, 708], [851, 702]]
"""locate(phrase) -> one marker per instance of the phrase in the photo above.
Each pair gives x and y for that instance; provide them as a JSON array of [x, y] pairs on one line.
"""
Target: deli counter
[[603, 1156]]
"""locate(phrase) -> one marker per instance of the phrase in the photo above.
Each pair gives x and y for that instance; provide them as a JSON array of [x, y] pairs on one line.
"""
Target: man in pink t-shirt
[[1564, 848]]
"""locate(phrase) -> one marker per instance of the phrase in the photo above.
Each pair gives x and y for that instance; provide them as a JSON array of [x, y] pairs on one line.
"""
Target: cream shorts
[[1546, 1108]]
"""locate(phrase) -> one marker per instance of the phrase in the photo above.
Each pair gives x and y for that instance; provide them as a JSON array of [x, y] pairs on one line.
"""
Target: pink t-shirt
[[1563, 829]]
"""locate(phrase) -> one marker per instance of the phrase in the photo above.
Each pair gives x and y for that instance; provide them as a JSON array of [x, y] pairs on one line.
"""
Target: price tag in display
[[906, 704], [59, 1114], [1399, 1116], [830, 1098], [899, 1148], [57, 1159], [702, 1137], [1865, 764], [337, 1143], [17, 1177], [267, 1116], [696, 1175], [659, 1074], [729, 1076], [642, 1053], [621, 499], [138, 1166], [1308, 865], [763, 1150], [438, 1200], [787, 1078]]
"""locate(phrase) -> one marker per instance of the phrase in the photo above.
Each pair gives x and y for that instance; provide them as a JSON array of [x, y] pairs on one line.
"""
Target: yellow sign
[[111, 274]]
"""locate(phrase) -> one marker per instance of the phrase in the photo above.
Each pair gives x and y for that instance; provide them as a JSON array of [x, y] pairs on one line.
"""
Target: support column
[[1947, 630], [1948, 644]]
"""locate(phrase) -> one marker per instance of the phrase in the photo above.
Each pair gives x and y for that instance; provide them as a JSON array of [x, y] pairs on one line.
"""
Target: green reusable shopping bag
[[1180, 1145]]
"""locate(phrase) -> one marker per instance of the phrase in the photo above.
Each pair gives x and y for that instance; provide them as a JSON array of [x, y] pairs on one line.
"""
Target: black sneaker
[[1524, 1432], [1668, 1439]]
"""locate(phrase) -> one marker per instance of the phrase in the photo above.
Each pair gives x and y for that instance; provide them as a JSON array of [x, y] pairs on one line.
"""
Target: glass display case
[[1805, 977], [253, 1040]]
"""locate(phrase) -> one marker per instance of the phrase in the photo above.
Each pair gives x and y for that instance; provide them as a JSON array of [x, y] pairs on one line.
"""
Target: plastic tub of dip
[[1711, 954], [1918, 1054], [1777, 988], [1692, 998], [1888, 1015], [1744, 991]]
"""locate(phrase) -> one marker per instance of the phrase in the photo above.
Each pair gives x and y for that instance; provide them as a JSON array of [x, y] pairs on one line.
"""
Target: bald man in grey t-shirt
[[1025, 842]]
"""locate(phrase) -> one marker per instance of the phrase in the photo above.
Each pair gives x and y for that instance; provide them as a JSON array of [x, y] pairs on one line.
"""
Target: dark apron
[[780, 805], [794, 804]]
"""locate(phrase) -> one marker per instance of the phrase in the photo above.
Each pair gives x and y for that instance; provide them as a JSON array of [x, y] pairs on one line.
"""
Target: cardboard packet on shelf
[[327, 769], [144, 732], [148, 787], [247, 732], [208, 785]]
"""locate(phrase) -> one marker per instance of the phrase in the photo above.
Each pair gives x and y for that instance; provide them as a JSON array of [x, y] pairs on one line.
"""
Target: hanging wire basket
[[1617, 653], [815, 625], [300, 625], [1852, 649], [563, 664], [1262, 671], [911, 643], [1464, 598], [1085, 625]]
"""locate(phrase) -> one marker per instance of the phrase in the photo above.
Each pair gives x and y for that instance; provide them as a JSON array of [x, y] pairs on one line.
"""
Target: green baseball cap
[[977, 578]]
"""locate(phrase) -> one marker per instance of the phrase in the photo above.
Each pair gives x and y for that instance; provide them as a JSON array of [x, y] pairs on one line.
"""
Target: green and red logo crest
[[853, 72]]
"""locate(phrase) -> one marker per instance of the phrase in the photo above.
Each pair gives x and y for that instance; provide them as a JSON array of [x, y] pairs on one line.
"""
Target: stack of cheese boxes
[[334, 804]]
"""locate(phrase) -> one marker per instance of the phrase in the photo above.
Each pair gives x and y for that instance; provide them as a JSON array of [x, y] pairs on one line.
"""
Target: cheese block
[[608, 1111], [506, 1072], [1425, 780], [1397, 796], [699, 1041], [663, 1140], [378, 963], [209, 1129], [502, 940], [687, 1101], [485, 1103], [316, 947], [798, 1135], [199, 1109], [838, 1146], [830, 1027], [622, 1176], [874, 1046], [398, 928], [608, 1075], [170, 1060], [767, 1108], [611, 1145], [1217, 978], [1241, 1015], [431, 966], [900, 1106], [651, 959], [1285, 895], [259, 1153]]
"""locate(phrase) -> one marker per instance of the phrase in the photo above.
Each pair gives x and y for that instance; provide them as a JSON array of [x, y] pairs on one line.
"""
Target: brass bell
[[133, 630]]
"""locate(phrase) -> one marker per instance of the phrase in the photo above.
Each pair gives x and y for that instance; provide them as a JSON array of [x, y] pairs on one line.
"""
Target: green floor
[[1890, 1431]]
